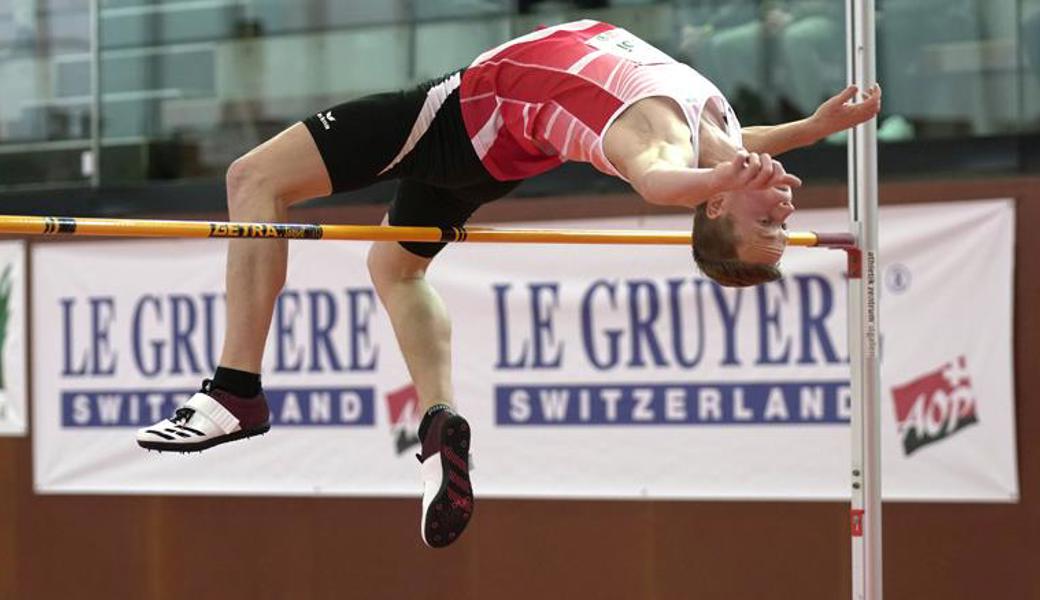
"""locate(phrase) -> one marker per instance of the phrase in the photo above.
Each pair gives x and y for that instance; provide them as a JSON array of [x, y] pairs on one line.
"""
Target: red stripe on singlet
[[505, 148], [587, 101]]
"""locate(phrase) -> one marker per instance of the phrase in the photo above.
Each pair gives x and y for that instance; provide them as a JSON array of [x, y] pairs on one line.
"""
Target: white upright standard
[[865, 362]]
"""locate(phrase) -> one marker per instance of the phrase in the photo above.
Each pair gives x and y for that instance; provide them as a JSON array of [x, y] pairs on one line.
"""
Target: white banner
[[586, 371], [13, 411]]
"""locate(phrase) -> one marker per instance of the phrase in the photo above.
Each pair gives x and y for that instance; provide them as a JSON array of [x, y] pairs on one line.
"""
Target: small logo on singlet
[[326, 119]]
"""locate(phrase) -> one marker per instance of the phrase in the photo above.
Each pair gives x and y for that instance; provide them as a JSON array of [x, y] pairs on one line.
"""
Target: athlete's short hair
[[715, 251]]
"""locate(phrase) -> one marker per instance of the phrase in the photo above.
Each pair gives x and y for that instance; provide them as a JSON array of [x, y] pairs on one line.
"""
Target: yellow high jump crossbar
[[79, 226]]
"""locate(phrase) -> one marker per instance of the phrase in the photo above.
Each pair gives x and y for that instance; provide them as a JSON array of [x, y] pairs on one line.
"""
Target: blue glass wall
[[188, 85]]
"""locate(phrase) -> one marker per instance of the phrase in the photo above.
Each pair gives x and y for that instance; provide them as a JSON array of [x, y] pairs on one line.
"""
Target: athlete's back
[[549, 96]]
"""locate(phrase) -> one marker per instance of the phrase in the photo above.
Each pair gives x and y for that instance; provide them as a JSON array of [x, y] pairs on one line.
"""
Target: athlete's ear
[[715, 206]]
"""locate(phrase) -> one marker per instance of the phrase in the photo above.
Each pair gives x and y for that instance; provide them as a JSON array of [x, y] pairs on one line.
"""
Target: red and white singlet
[[548, 97]]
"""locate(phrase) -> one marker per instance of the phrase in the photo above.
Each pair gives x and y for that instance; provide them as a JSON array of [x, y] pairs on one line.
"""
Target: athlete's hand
[[751, 171], [844, 111]]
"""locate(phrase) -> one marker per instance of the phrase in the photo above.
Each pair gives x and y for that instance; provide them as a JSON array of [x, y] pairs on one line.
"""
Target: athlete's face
[[759, 220]]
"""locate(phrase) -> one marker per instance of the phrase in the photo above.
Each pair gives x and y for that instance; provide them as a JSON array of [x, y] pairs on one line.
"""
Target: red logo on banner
[[935, 405], [856, 522], [403, 406]]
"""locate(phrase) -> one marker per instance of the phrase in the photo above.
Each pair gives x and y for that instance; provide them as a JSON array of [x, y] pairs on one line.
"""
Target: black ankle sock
[[428, 418], [240, 383]]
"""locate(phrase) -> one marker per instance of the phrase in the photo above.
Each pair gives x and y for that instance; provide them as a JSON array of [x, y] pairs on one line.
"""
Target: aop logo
[[326, 119], [403, 406], [935, 406]]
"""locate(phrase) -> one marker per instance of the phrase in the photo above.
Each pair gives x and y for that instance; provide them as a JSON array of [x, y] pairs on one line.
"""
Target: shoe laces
[[182, 414]]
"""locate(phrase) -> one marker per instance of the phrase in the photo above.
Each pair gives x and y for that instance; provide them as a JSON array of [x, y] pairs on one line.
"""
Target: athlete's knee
[[389, 263], [253, 185], [247, 182]]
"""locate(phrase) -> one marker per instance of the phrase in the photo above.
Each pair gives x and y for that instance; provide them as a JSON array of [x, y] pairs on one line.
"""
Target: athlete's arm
[[650, 146], [836, 114], [657, 173]]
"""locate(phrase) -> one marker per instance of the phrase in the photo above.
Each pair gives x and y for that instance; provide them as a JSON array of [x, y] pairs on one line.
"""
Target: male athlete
[[583, 91]]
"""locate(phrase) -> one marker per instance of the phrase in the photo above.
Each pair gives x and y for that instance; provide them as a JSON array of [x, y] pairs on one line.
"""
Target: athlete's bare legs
[[418, 316], [260, 187], [423, 332]]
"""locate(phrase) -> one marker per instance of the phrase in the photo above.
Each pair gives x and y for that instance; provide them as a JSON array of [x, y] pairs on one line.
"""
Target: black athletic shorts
[[416, 136]]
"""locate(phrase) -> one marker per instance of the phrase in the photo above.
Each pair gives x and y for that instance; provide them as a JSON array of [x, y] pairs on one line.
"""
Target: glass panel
[[951, 66], [462, 10], [950, 69], [1029, 37], [44, 106], [188, 85]]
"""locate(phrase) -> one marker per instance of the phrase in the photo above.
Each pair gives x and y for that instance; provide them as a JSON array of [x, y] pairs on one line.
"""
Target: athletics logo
[[326, 119], [935, 405], [403, 406]]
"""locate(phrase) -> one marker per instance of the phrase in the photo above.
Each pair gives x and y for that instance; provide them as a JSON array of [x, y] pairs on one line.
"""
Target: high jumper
[[584, 91]]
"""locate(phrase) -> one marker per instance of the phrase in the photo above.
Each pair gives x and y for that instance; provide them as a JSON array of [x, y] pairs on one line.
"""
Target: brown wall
[[170, 548]]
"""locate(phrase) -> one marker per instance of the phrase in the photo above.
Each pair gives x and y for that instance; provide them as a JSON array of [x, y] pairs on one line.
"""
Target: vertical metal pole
[[865, 515], [95, 93]]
